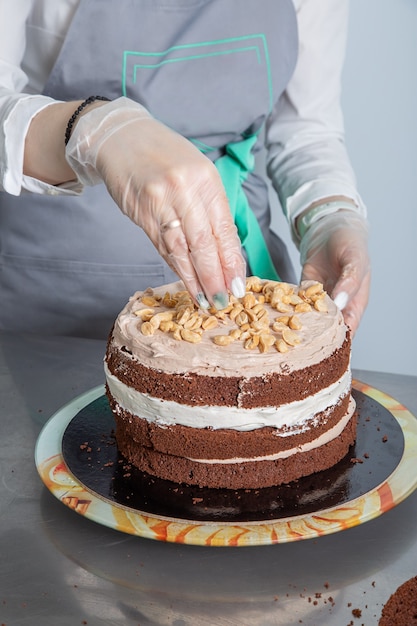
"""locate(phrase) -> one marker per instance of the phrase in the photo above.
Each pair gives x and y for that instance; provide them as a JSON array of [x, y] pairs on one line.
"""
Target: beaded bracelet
[[76, 113]]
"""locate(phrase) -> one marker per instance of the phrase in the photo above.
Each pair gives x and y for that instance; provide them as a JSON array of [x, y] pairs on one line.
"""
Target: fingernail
[[238, 287], [341, 300], [220, 300], [203, 303]]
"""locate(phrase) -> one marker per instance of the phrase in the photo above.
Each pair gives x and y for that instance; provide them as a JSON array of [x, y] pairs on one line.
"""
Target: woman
[[194, 87]]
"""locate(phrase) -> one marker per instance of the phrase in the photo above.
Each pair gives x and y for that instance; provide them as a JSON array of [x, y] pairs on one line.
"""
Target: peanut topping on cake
[[251, 321]]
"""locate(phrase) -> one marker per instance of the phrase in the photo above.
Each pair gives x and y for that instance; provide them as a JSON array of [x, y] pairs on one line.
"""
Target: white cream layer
[[329, 435], [294, 416]]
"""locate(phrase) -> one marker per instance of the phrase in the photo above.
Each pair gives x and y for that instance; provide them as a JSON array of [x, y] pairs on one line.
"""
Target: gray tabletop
[[59, 568]]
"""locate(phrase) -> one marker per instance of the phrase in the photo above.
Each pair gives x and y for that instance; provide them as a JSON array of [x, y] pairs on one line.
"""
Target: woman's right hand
[[167, 187]]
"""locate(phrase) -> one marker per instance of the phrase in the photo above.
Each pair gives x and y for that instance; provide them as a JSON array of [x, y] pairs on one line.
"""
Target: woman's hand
[[334, 251], [167, 187]]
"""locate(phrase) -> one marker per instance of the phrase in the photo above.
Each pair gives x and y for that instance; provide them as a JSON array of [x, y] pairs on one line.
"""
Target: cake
[[401, 607], [255, 395]]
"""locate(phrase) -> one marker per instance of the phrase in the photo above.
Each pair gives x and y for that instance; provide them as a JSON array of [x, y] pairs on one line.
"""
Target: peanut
[[251, 342], [281, 346], [145, 314], [209, 322], [248, 301], [294, 323], [303, 307], [147, 328], [190, 336], [149, 301], [222, 340], [265, 342], [290, 337], [313, 289], [253, 283]]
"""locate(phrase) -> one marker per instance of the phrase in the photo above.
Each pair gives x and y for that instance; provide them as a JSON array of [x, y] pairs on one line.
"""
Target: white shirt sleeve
[[306, 155], [19, 101]]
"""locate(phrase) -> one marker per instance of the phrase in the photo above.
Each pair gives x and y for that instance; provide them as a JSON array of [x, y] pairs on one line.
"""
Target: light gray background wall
[[380, 108]]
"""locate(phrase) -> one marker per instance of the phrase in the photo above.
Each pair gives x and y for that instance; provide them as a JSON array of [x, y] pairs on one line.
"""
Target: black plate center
[[90, 452]]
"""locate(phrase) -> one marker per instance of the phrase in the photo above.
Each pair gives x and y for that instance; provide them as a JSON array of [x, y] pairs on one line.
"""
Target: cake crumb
[[357, 613], [384, 439]]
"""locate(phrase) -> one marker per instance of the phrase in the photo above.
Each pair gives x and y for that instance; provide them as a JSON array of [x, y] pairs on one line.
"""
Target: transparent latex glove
[[334, 251], [167, 187]]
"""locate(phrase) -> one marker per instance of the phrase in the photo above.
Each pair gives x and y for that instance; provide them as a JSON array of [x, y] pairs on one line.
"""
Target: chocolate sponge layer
[[253, 475], [205, 443], [198, 390]]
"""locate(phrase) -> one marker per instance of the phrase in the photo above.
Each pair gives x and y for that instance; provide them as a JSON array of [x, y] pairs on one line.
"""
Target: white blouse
[[306, 154]]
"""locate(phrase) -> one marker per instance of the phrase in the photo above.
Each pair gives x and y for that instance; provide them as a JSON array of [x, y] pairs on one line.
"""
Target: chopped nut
[[253, 283], [235, 311], [258, 308], [147, 328], [248, 300], [265, 342], [196, 326], [261, 324], [168, 301], [303, 307], [177, 332], [241, 318], [313, 289], [287, 288], [251, 315], [283, 308], [221, 315], [294, 300], [294, 323], [277, 296], [167, 326], [283, 319], [290, 337], [210, 322], [281, 346], [149, 301], [278, 327], [222, 340], [145, 314], [190, 336], [183, 314], [164, 316], [251, 342], [193, 320], [320, 305]]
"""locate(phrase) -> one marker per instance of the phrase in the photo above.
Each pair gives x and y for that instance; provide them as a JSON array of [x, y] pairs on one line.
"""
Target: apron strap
[[234, 167]]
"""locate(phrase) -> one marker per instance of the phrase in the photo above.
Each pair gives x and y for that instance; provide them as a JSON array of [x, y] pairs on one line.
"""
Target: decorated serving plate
[[78, 461]]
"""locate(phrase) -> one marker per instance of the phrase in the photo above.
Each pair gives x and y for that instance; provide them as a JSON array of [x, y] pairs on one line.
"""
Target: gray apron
[[211, 70]]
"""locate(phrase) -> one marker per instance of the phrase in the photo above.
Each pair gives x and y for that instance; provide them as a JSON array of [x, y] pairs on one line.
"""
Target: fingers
[[208, 264], [179, 258], [202, 243], [354, 304]]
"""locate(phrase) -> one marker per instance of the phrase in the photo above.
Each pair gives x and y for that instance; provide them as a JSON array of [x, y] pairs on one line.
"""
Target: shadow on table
[[163, 583]]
